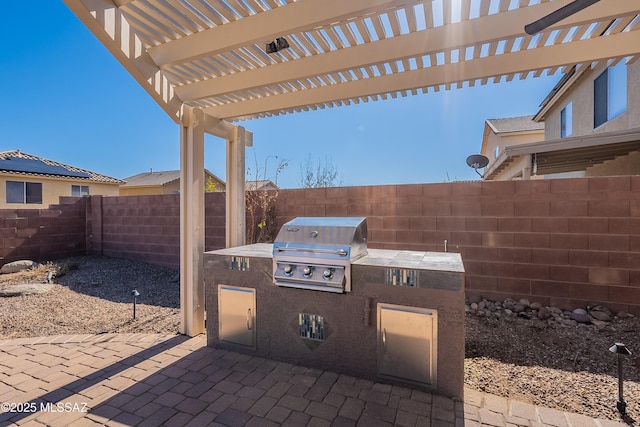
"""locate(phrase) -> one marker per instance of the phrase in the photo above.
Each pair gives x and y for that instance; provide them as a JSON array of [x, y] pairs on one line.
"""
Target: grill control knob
[[288, 270], [327, 274], [307, 271]]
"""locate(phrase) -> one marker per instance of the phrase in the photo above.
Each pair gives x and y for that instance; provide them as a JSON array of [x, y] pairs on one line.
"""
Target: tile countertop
[[434, 261]]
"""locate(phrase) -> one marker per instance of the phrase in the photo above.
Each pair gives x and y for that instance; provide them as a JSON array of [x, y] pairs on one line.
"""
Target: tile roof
[[151, 178], [260, 184], [514, 124], [157, 178], [28, 164]]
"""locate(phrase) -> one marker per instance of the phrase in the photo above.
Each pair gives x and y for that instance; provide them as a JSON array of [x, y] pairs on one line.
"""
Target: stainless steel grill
[[316, 253]]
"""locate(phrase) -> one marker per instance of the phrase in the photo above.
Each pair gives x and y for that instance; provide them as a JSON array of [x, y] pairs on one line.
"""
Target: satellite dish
[[556, 16], [477, 161]]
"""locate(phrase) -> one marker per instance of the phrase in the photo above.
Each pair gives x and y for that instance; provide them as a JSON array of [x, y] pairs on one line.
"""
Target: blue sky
[[65, 98]]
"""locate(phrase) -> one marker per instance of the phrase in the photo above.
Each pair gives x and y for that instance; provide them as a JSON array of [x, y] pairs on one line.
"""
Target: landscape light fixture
[[620, 350], [135, 294], [477, 161], [276, 45]]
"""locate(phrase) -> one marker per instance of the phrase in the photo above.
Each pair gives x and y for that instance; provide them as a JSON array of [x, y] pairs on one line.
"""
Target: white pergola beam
[[106, 22], [104, 19], [615, 45], [192, 222], [486, 29], [235, 229], [265, 27]]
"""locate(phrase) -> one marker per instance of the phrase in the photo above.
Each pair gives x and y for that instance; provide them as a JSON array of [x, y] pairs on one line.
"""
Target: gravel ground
[[567, 368], [92, 295]]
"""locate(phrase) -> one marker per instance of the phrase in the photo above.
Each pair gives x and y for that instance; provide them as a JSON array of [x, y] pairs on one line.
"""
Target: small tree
[[261, 210], [319, 174], [210, 186]]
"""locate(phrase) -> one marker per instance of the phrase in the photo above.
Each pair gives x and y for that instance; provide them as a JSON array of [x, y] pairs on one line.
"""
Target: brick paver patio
[[154, 380]]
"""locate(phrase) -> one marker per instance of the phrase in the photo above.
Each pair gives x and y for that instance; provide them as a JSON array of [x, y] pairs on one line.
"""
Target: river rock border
[[598, 316]]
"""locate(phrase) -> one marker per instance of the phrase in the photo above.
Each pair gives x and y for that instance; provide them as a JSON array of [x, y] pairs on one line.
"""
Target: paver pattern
[[153, 380]]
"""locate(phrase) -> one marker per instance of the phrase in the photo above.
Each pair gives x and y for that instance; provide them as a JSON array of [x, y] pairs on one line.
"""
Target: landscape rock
[[596, 317], [525, 302], [600, 312], [474, 299], [601, 308], [518, 308], [544, 313], [24, 289], [580, 317], [600, 315], [16, 266], [568, 322]]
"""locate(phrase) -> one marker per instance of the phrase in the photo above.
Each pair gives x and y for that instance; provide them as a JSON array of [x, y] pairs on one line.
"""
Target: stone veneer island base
[[402, 323]]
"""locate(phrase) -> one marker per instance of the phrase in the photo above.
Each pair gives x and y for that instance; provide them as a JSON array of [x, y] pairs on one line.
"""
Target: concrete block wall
[[43, 234], [144, 228], [565, 242], [147, 228]]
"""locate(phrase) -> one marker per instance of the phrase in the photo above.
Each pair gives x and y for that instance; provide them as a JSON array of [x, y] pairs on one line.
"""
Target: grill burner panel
[[316, 253], [310, 275]]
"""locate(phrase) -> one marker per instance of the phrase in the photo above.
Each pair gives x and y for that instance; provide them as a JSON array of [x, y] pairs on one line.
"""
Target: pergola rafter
[[210, 53], [520, 62]]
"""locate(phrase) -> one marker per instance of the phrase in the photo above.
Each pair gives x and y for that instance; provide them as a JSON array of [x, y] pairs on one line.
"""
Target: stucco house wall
[[52, 190], [170, 188], [55, 179], [581, 96], [506, 140], [158, 183]]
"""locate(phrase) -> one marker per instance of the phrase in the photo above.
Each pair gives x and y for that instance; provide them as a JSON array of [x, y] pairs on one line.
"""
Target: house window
[[566, 118], [24, 192], [610, 94], [79, 190]]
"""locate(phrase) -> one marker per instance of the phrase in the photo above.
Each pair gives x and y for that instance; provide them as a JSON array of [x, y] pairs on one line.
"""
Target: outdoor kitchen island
[[402, 322]]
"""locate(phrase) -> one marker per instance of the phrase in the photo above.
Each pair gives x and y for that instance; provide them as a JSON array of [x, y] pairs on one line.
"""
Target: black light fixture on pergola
[[276, 45]]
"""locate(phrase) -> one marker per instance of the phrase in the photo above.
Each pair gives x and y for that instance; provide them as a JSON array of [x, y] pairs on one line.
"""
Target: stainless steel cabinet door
[[237, 314], [407, 338]]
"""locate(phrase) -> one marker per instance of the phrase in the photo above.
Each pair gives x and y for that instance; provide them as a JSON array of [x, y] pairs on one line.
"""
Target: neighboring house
[[163, 182], [29, 181], [591, 128], [260, 185], [168, 182], [509, 132]]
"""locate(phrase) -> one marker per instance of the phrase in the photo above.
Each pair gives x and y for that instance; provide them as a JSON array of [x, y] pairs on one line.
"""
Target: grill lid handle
[[340, 252]]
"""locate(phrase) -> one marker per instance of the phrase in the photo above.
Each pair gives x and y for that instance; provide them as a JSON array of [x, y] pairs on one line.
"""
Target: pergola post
[[235, 203], [192, 222]]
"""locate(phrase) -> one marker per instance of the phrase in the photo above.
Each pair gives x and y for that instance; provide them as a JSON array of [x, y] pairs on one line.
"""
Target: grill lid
[[323, 237]]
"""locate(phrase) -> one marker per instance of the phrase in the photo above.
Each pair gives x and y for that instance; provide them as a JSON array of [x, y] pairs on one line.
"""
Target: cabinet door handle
[[384, 340], [249, 320]]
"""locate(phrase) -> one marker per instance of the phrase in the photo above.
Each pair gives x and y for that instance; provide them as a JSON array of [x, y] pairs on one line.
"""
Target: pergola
[[205, 62]]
